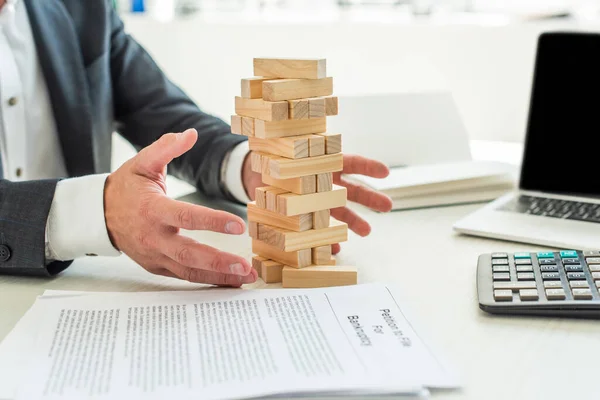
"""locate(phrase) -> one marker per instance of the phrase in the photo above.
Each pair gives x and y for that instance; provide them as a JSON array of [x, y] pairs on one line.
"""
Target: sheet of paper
[[228, 344]]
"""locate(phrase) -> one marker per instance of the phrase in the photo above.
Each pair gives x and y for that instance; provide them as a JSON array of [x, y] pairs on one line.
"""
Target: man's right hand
[[144, 223]]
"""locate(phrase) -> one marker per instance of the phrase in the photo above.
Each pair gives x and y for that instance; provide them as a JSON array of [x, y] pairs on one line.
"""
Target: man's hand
[[353, 164], [144, 223]]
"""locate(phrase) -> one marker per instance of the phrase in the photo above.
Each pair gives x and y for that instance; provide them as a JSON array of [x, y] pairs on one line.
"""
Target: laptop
[[557, 203]]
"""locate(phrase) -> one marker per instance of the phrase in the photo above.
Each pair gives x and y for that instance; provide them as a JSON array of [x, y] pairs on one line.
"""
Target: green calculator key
[[545, 254], [568, 254], [521, 255]]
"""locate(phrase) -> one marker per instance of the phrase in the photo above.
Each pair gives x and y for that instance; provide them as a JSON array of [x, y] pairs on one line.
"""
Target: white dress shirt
[[30, 147]]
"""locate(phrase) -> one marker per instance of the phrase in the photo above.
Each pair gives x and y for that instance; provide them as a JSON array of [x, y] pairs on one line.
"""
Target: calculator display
[[562, 145]]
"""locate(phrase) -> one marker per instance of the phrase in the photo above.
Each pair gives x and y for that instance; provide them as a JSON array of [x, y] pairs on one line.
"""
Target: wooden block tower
[[283, 111]]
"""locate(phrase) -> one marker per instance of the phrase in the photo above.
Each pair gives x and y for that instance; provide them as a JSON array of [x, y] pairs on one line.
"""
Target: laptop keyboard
[[554, 208]]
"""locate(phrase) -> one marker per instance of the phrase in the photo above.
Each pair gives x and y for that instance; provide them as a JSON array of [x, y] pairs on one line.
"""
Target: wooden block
[[301, 185], [272, 194], [319, 276], [322, 256], [258, 163], [271, 271], [284, 168], [316, 145], [257, 264], [333, 142], [261, 197], [253, 229], [298, 109], [236, 124], [248, 126], [331, 106], [291, 68], [316, 107], [252, 87], [296, 259], [290, 127], [286, 240], [296, 223], [293, 204], [320, 219], [290, 147], [260, 109], [324, 182], [291, 89]]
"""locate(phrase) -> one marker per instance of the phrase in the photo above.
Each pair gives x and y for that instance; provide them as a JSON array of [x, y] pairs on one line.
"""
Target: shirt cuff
[[76, 225], [232, 175]]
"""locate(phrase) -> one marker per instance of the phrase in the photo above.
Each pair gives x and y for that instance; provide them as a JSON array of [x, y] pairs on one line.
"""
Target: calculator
[[561, 283]]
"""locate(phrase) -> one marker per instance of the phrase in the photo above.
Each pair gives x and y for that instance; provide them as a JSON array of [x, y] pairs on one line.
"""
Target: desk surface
[[498, 357]]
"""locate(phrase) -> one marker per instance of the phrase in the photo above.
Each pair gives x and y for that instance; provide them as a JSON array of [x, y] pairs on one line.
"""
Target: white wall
[[488, 68]]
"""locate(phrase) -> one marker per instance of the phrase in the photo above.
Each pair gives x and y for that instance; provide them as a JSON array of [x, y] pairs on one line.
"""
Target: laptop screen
[[562, 146]]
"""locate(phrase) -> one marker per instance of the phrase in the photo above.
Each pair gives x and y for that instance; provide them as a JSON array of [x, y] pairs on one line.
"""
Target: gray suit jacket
[[100, 80]]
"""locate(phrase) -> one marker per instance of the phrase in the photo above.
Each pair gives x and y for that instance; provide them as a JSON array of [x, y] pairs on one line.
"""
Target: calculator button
[[596, 275], [594, 268], [501, 276], [524, 268], [592, 260], [551, 276], [555, 294], [500, 268], [575, 275], [547, 261], [582, 294], [592, 253], [528, 294], [574, 268], [525, 276], [579, 284], [523, 261], [548, 268], [570, 261], [568, 253], [515, 285], [500, 261], [503, 295], [553, 284], [499, 255], [521, 255], [545, 254]]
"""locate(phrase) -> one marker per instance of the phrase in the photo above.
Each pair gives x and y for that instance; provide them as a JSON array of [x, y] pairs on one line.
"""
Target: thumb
[[154, 158]]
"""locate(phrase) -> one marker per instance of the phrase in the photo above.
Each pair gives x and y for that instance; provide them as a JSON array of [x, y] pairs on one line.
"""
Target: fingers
[[154, 158], [354, 164], [189, 253], [193, 217], [335, 248], [175, 270], [354, 221], [368, 197]]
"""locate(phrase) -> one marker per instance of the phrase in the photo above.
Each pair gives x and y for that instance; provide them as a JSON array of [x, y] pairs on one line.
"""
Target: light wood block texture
[[331, 106], [290, 127], [286, 240], [251, 88], [260, 195], [291, 68], [316, 145], [320, 219], [257, 263], [268, 270], [291, 89], [292, 204], [296, 223], [333, 142], [236, 124], [272, 194], [260, 109], [316, 107], [319, 276], [297, 259], [301, 185], [285, 168], [253, 229], [322, 256], [290, 147], [324, 182], [298, 109]]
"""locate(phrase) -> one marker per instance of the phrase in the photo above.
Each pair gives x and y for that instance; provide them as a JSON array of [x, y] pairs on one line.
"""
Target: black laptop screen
[[562, 146]]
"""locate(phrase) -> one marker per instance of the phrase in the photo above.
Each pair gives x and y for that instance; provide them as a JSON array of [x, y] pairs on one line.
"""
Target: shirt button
[[19, 172], [13, 101], [4, 253]]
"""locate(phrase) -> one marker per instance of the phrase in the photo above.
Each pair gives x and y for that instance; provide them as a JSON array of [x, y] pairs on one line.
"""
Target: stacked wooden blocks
[[283, 112]]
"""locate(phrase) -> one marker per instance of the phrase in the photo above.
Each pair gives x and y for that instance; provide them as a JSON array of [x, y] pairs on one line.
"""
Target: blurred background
[[480, 51]]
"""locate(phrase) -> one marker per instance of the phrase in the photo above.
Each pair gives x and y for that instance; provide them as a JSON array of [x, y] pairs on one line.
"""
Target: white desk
[[499, 357]]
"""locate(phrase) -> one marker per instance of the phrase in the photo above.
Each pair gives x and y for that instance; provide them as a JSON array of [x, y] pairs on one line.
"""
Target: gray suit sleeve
[[24, 209], [147, 105]]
